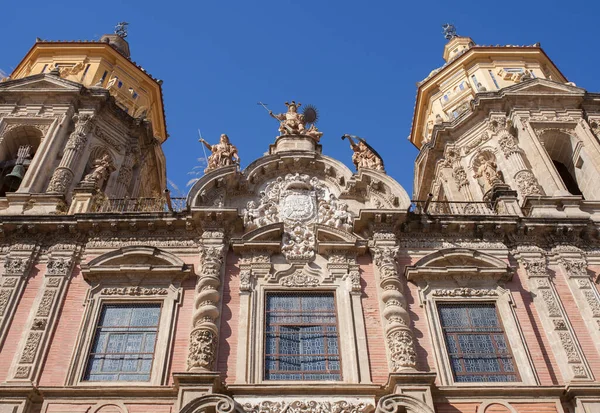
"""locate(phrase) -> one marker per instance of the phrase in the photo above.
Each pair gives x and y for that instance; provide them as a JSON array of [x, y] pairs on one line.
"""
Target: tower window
[[567, 178], [494, 79], [124, 343], [301, 341], [476, 343]]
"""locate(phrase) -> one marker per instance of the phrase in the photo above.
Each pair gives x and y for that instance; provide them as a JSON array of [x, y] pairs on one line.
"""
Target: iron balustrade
[[137, 205], [452, 208]]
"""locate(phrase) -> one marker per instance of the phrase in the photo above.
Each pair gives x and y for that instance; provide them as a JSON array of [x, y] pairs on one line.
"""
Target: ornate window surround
[[307, 279], [454, 276], [116, 278]]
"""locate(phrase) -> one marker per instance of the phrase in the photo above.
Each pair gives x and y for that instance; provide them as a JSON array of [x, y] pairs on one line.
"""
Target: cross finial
[[449, 31], [121, 29]]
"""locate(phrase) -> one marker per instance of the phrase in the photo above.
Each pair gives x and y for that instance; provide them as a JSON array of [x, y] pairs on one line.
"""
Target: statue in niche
[[102, 168], [223, 153], [486, 173], [292, 122], [364, 157]]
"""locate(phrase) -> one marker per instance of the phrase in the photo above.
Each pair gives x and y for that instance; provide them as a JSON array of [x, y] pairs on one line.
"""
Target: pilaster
[[554, 319], [42, 321]]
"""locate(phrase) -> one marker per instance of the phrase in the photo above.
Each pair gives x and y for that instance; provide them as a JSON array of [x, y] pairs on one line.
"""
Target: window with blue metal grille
[[301, 340], [476, 343], [124, 343]]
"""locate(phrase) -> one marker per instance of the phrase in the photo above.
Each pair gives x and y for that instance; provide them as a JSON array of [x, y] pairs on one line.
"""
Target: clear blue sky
[[356, 61]]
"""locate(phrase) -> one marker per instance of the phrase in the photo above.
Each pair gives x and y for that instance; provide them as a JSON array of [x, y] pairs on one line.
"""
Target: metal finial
[[121, 29], [449, 31]]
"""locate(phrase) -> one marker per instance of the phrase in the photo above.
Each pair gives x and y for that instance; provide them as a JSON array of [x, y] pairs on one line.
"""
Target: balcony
[[452, 208], [139, 205]]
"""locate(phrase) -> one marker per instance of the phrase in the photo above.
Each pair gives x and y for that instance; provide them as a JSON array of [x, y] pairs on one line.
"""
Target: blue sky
[[357, 61]]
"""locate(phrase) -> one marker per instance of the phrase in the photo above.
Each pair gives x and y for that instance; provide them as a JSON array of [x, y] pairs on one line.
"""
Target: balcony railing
[[137, 205], [452, 208]]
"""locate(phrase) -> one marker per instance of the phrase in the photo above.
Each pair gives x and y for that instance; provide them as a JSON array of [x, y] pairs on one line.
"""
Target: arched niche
[[26, 137]]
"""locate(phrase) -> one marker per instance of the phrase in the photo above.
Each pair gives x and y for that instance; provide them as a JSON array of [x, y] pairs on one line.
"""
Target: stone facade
[[502, 229]]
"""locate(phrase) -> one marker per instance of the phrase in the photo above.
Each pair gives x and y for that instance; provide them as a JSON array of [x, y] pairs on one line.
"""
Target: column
[[398, 336], [204, 338], [63, 175]]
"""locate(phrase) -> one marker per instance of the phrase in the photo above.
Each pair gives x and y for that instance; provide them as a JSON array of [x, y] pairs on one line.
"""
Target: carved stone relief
[[204, 336], [304, 406]]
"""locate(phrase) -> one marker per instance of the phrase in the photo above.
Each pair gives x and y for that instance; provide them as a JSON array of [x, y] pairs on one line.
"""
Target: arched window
[[569, 158], [17, 149]]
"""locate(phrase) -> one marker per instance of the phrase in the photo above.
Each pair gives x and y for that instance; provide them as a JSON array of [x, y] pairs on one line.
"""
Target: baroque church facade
[[297, 284]]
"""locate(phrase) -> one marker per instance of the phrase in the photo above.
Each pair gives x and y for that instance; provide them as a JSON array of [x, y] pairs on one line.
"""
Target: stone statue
[[223, 153], [486, 173], [314, 133], [364, 156], [335, 214], [102, 168], [292, 122]]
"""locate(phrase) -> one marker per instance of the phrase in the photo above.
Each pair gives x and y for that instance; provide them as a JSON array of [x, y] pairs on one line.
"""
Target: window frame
[[97, 328], [169, 303], [503, 302], [464, 304], [305, 293]]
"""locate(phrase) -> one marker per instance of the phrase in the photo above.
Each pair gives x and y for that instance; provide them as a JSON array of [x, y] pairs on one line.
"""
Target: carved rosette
[[560, 329], [399, 338], [204, 336], [63, 175], [58, 270]]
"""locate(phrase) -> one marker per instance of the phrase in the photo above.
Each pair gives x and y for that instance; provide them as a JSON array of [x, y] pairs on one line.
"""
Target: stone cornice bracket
[[399, 338], [63, 175], [32, 349], [394, 403], [205, 333], [254, 263]]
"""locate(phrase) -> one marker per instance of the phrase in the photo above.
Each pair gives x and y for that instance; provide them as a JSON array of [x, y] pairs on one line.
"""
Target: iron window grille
[[301, 340], [476, 343], [124, 343]]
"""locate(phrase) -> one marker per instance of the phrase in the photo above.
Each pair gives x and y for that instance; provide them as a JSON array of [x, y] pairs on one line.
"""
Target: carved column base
[[203, 349], [402, 350]]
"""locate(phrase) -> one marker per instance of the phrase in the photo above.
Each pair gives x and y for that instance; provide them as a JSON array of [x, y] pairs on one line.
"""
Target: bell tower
[[503, 121], [77, 115]]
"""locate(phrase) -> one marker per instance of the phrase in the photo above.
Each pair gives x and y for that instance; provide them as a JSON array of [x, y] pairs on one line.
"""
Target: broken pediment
[[40, 83], [543, 86]]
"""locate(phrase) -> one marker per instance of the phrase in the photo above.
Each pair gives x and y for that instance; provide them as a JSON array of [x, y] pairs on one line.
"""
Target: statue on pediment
[[292, 122], [364, 157], [222, 154]]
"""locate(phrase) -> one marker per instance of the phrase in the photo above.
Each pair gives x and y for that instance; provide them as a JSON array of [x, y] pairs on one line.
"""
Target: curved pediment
[[460, 264], [135, 258]]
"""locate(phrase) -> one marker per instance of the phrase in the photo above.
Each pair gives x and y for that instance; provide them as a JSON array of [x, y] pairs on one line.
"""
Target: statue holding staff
[[222, 154]]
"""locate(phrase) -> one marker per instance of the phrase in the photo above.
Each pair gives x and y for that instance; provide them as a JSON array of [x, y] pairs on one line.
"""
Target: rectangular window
[[123, 346], [476, 343], [301, 341], [494, 79]]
